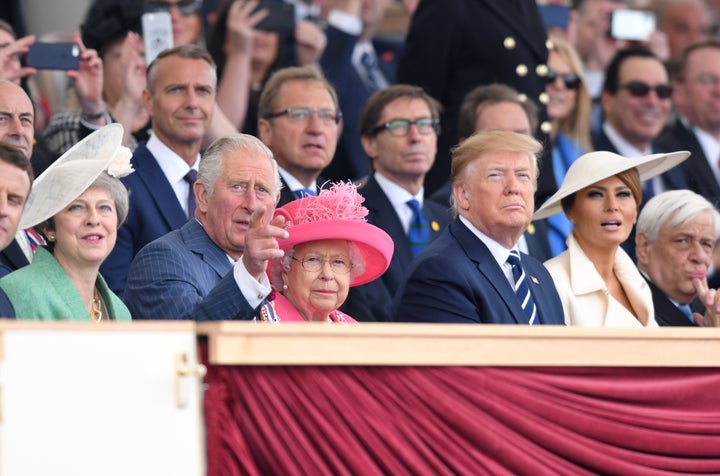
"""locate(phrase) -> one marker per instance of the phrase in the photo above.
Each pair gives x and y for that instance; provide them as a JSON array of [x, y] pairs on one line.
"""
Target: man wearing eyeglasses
[[398, 131], [300, 121]]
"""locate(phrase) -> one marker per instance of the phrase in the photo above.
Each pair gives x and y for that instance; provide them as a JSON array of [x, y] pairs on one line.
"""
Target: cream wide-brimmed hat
[[74, 171], [596, 166]]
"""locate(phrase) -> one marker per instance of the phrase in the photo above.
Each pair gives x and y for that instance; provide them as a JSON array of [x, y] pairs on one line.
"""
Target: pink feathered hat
[[337, 214]]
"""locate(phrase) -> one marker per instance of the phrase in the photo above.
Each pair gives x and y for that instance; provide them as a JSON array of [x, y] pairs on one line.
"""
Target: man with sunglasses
[[636, 103], [300, 121], [398, 131]]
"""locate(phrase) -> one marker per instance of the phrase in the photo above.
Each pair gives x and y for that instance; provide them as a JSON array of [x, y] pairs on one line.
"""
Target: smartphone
[[157, 34], [53, 56], [633, 25], [281, 17], [554, 16]]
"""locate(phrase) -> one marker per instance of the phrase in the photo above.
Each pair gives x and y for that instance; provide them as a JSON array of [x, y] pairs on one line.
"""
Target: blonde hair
[[577, 126]]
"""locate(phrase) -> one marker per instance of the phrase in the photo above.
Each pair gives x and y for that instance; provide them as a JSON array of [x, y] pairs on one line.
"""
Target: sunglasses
[[640, 89], [571, 80], [186, 7]]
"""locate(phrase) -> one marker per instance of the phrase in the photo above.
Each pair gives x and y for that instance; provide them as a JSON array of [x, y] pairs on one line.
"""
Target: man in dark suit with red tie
[[473, 272]]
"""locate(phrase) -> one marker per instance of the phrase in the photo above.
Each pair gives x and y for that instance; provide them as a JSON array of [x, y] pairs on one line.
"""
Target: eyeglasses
[[571, 80], [401, 127], [314, 263], [304, 114], [186, 7], [708, 79], [640, 89]]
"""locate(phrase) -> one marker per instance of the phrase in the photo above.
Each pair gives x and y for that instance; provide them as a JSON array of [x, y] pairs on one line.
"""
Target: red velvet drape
[[456, 420]]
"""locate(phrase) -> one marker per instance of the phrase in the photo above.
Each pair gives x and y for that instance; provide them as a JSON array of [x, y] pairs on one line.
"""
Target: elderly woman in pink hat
[[598, 283], [330, 248]]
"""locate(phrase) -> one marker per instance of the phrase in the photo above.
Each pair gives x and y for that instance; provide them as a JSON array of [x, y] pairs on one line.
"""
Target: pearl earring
[[285, 287]]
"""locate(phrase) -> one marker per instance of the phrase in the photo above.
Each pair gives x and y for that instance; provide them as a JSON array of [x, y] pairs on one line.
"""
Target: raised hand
[[310, 42], [261, 243], [711, 299], [10, 68], [88, 79]]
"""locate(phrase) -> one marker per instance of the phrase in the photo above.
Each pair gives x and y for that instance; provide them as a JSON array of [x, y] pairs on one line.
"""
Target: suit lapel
[[488, 268], [382, 214], [13, 256], [159, 188], [697, 166], [198, 241]]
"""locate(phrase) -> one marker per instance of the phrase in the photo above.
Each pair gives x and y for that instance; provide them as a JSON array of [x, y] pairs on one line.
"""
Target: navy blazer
[[184, 275], [12, 258], [457, 280], [453, 46], [6, 308], [667, 313], [154, 211], [700, 177], [350, 161], [382, 214]]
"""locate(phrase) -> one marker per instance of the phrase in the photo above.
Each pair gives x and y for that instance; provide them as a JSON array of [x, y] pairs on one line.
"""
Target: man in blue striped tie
[[474, 272]]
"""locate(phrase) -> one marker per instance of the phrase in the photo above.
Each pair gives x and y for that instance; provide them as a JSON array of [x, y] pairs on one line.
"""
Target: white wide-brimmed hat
[[71, 174], [596, 166]]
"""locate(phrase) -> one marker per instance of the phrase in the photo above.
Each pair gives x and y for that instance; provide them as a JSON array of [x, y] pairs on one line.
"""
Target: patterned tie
[[521, 286], [35, 239], [419, 230], [304, 192], [373, 76], [190, 178]]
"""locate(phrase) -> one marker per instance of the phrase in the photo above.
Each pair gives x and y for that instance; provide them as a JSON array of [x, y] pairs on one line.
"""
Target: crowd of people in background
[[514, 162]]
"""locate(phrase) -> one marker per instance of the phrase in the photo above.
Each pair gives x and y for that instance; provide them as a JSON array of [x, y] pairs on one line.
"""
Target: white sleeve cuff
[[254, 292]]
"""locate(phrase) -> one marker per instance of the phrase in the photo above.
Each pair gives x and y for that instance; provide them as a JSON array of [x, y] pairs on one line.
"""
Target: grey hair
[[277, 267], [212, 161], [674, 208]]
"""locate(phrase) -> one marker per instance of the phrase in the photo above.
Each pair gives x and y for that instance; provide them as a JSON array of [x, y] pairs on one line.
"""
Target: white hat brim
[[71, 174], [596, 166]]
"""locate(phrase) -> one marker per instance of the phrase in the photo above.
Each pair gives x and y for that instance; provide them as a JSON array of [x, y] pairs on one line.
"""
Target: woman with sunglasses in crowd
[[568, 109]]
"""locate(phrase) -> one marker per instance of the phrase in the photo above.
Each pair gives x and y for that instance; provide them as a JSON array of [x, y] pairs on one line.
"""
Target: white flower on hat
[[120, 166]]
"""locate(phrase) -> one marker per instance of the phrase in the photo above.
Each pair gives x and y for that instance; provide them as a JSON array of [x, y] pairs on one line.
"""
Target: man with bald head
[[16, 134]]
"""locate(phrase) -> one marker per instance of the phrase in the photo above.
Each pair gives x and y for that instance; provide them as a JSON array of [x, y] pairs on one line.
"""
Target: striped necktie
[[190, 178], [521, 287], [419, 230]]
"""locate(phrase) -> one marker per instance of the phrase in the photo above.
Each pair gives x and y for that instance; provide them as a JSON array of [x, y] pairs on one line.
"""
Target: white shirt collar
[[293, 183], [623, 147], [172, 165]]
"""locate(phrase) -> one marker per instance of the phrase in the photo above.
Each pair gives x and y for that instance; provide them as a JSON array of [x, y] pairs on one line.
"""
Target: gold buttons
[[541, 70], [522, 97], [546, 127], [509, 43], [521, 70], [544, 98], [549, 44], [531, 229]]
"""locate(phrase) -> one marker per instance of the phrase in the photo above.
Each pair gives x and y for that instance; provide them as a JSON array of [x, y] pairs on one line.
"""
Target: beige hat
[[71, 174], [596, 166]]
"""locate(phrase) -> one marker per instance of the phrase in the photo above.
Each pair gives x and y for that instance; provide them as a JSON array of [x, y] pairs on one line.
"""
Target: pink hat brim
[[375, 246]]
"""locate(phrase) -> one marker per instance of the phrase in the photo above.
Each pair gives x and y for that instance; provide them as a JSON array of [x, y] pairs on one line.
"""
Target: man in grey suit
[[675, 239], [213, 268]]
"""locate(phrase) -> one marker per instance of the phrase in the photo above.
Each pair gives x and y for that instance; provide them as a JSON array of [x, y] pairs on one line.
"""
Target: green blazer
[[43, 291]]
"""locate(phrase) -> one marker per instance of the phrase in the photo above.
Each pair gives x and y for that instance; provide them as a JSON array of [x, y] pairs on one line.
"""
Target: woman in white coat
[[598, 282]]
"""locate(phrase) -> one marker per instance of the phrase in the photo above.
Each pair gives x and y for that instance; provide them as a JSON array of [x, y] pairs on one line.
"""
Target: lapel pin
[[534, 280], [435, 226]]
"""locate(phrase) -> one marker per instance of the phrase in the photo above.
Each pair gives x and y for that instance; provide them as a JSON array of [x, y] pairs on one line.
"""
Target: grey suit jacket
[[184, 275]]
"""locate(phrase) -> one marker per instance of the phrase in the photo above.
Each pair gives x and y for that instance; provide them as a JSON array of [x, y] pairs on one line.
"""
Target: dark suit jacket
[[382, 214], [184, 275], [350, 161], [457, 280], [700, 176], [453, 46], [12, 258], [6, 307], [154, 211], [667, 313]]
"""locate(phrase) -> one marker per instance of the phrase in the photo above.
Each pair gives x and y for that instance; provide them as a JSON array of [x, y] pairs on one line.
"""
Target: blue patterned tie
[[190, 178], [304, 192], [419, 230], [372, 72], [521, 287], [685, 309]]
